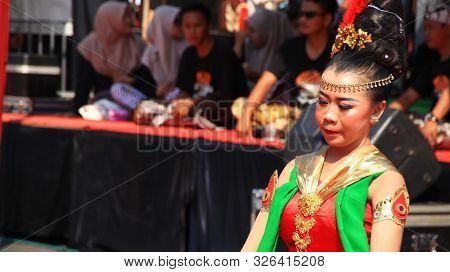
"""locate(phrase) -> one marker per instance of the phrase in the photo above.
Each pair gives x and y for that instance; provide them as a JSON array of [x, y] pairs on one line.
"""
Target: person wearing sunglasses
[[297, 57], [310, 14]]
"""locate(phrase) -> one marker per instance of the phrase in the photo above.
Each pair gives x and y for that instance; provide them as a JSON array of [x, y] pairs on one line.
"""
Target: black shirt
[[426, 67], [87, 79], [292, 58], [219, 75]]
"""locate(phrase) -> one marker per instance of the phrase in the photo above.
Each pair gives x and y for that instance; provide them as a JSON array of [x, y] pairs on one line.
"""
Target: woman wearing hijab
[[111, 53], [267, 30], [162, 57]]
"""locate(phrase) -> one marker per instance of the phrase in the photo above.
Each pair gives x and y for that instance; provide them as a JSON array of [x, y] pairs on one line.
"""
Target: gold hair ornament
[[326, 86], [348, 35]]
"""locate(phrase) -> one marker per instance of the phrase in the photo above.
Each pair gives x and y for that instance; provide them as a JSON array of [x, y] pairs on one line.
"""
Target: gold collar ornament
[[348, 35], [363, 162], [324, 85]]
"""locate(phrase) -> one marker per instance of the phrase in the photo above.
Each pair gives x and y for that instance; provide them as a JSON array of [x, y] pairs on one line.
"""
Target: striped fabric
[[126, 95]]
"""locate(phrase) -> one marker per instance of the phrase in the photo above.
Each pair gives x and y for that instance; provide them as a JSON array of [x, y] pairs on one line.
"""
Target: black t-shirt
[[219, 75], [426, 68], [292, 58]]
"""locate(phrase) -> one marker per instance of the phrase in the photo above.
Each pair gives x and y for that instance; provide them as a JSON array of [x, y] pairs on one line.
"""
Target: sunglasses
[[310, 14]]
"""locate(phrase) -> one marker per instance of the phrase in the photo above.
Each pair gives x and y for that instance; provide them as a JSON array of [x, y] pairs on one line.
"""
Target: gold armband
[[395, 208], [270, 190]]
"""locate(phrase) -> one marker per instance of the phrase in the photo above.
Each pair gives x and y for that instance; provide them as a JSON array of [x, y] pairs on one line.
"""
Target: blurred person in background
[[162, 56], [293, 14], [266, 31], [298, 60], [431, 70], [111, 53], [209, 71]]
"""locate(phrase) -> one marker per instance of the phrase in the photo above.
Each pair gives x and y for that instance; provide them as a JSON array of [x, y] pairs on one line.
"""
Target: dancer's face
[[344, 117]]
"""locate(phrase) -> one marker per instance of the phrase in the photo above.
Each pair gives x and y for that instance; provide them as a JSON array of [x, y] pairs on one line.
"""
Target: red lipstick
[[330, 132]]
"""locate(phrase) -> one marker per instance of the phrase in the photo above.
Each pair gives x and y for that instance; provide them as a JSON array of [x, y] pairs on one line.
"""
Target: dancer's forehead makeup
[[340, 98]]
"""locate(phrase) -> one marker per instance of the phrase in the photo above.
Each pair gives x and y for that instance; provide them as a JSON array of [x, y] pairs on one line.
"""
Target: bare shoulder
[[286, 173], [386, 185]]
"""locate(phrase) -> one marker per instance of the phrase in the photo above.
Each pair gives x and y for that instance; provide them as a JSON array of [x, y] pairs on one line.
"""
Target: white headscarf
[[163, 56], [272, 27]]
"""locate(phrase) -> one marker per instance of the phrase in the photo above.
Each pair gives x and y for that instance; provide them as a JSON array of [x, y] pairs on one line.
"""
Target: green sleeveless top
[[350, 210]]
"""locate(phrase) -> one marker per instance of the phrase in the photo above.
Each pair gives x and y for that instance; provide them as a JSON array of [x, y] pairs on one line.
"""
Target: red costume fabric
[[324, 234]]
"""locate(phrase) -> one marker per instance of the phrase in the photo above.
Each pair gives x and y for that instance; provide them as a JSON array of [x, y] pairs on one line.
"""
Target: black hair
[[196, 7], [384, 55], [328, 6]]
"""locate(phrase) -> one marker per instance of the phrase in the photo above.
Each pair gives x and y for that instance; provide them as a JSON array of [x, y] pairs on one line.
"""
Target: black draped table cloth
[[98, 185]]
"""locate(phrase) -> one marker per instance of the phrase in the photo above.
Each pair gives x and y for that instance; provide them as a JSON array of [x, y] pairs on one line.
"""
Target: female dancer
[[347, 196]]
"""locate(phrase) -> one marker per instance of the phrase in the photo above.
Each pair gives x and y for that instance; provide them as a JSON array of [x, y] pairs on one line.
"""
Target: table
[[119, 186]]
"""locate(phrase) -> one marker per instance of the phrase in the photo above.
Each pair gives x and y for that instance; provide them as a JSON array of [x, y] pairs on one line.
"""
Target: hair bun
[[386, 56], [390, 59], [385, 24]]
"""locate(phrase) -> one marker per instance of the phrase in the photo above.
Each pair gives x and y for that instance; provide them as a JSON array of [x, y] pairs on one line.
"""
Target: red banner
[[4, 37]]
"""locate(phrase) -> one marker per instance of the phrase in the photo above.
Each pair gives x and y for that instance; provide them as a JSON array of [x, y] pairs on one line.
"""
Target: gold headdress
[[348, 35], [324, 85]]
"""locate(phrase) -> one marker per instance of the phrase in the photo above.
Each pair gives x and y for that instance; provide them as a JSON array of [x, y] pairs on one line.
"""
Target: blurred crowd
[[182, 71]]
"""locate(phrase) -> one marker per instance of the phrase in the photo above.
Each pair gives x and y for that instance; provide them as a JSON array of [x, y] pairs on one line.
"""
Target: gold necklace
[[363, 162], [308, 204]]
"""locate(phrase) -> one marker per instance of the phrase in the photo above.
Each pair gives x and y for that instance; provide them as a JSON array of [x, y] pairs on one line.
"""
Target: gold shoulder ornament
[[270, 191]]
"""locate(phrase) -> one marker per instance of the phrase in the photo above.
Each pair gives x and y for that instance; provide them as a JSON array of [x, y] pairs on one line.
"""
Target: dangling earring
[[374, 119]]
